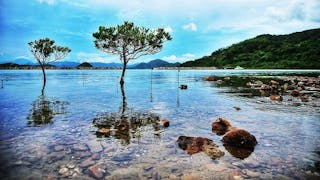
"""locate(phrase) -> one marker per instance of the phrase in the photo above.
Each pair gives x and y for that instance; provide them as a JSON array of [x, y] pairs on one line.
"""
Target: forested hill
[[299, 50]]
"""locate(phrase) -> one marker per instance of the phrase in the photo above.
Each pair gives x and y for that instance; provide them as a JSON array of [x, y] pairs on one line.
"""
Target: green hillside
[[299, 50]]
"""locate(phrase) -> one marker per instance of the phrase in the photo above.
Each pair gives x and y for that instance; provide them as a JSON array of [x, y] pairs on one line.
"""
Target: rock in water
[[237, 108], [239, 138], [96, 171], [126, 173], [220, 126], [239, 152], [183, 86], [276, 98], [165, 122], [295, 93], [196, 144], [210, 78]]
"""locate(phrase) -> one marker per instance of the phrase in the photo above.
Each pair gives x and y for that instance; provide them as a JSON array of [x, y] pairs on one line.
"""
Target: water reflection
[[43, 111], [126, 123], [239, 152]]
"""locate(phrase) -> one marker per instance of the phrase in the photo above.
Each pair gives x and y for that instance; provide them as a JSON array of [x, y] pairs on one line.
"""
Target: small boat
[[238, 68]]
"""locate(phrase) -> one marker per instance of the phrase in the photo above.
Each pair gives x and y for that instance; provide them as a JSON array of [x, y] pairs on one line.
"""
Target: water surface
[[53, 136]]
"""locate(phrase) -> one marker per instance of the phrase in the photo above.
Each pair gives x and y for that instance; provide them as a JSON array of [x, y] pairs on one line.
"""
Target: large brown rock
[[96, 171], [239, 138], [239, 152], [276, 98], [194, 145], [220, 126], [165, 122], [295, 93], [210, 78]]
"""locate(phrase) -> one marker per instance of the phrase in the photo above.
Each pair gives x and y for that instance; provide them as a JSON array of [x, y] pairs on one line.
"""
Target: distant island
[[300, 50], [25, 64]]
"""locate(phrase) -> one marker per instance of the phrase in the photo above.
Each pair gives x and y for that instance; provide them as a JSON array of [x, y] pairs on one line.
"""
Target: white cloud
[[254, 17], [189, 55], [23, 57], [168, 29], [183, 58], [96, 57], [191, 26], [50, 2]]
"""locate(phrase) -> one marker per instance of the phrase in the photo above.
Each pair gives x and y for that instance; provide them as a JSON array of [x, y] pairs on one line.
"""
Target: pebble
[[87, 162], [237, 177], [63, 171], [80, 147], [192, 176], [250, 173], [126, 173], [58, 148], [85, 154], [173, 177], [96, 172], [95, 156], [94, 146], [71, 165]]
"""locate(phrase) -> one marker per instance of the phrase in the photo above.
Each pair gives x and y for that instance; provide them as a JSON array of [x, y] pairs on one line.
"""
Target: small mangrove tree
[[129, 42], [45, 51]]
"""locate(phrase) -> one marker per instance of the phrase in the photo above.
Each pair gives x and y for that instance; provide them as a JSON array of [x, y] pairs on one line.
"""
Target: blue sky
[[198, 27]]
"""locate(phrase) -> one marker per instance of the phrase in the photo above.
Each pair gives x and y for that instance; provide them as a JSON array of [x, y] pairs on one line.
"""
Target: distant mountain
[[154, 64], [111, 65], [84, 65], [23, 61], [23, 66], [19, 61], [300, 50], [65, 64]]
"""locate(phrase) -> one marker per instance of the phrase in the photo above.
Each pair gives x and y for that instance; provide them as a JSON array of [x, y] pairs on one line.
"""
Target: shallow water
[[44, 136]]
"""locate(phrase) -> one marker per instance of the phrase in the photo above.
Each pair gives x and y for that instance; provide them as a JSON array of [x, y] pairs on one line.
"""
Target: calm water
[[67, 146]]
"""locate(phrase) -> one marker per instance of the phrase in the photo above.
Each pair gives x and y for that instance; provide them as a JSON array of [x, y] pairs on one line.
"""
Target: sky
[[198, 27]]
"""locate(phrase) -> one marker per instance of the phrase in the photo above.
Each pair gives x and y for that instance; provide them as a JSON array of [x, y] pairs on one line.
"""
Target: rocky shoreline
[[287, 90]]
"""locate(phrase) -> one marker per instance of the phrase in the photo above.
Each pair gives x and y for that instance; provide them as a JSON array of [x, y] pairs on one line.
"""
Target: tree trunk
[[44, 78], [123, 73], [124, 102]]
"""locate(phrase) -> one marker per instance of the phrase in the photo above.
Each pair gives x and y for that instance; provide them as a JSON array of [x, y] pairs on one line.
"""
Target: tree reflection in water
[[126, 123], [43, 111]]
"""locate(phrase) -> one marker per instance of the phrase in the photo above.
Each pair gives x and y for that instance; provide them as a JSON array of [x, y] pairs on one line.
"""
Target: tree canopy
[[43, 49], [129, 41]]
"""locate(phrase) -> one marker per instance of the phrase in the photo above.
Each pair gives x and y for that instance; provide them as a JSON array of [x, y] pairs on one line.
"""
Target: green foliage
[[294, 51], [129, 41], [43, 49]]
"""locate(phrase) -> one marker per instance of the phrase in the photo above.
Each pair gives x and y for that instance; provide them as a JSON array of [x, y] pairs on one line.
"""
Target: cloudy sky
[[198, 27]]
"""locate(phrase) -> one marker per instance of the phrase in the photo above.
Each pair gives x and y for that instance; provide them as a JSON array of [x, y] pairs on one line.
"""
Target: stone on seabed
[[165, 122], [240, 138], [210, 78], [220, 126], [196, 144]]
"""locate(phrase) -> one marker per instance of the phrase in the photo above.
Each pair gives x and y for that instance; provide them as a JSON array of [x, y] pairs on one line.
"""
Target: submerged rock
[[220, 126], [165, 122], [295, 93], [276, 98], [194, 145], [237, 108], [239, 138], [183, 86], [273, 83], [265, 87], [239, 152], [126, 173], [96, 171], [210, 78]]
